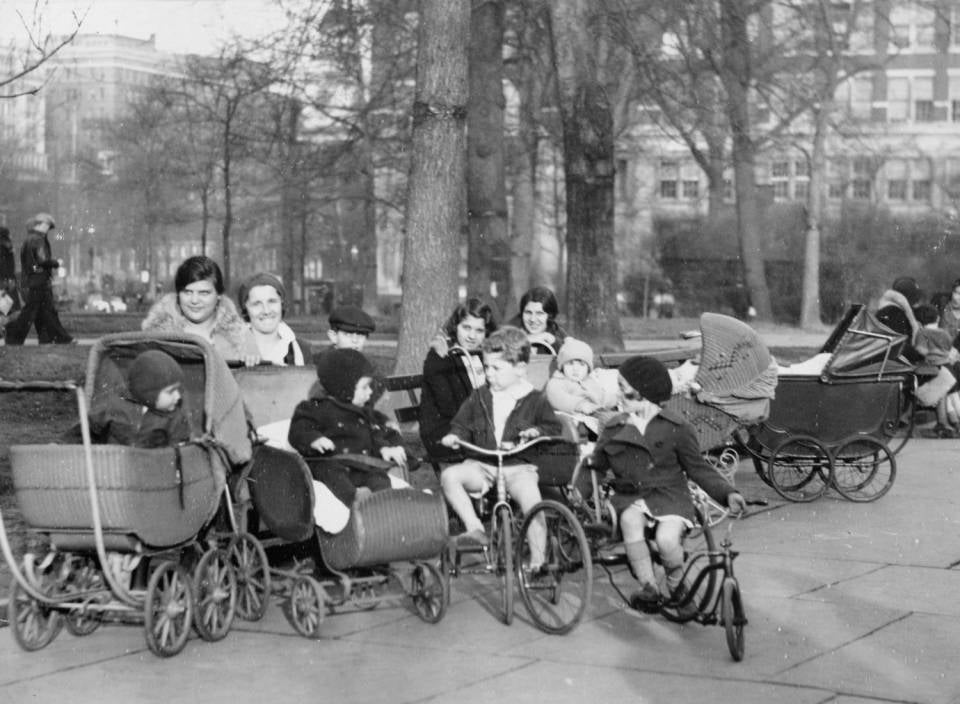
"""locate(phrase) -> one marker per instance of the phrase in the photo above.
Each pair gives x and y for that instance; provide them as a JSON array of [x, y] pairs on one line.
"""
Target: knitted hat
[[574, 349], [908, 286], [151, 372], [648, 377], [351, 319], [340, 370]]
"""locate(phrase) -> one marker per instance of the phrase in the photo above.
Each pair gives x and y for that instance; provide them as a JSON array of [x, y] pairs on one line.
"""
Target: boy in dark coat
[[652, 452], [505, 411], [335, 420]]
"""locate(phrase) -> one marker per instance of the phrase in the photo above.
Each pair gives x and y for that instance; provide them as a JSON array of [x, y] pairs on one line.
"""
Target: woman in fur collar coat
[[199, 307]]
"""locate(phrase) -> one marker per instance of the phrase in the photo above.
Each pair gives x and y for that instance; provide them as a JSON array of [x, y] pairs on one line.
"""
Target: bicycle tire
[[503, 544], [733, 617]]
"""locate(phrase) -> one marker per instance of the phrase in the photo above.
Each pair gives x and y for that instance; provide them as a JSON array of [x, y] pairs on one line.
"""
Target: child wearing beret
[[652, 452]]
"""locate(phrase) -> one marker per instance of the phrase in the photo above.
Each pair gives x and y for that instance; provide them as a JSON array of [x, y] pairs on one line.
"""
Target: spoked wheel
[[699, 575], [168, 611], [253, 576], [556, 595], [864, 469], [306, 606], [905, 424], [503, 547], [215, 592], [85, 578], [800, 469], [428, 588], [733, 617], [33, 623]]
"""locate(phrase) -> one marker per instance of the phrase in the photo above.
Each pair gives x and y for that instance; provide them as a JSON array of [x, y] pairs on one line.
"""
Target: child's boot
[[647, 599]]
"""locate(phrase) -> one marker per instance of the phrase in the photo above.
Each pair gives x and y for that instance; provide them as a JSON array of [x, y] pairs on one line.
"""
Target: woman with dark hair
[[538, 318], [452, 370], [262, 298], [199, 307]]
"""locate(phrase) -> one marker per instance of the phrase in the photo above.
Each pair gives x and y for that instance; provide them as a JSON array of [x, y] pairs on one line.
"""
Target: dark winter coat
[[474, 420], [655, 466], [446, 385], [36, 261], [121, 421], [353, 430]]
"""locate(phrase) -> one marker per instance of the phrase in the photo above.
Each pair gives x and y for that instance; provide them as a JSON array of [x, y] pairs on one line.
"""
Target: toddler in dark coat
[[150, 414], [652, 452], [335, 421]]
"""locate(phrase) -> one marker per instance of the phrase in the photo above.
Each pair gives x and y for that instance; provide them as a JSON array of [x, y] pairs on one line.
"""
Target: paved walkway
[[848, 603]]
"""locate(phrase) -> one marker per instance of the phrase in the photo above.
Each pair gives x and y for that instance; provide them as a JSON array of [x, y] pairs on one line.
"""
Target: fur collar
[[230, 336]]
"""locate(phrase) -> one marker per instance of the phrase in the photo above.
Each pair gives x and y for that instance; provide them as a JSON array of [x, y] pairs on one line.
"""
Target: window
[[836, 190], [897, 189], [780, 169], [781, 190], [920, 175], [691, 189], [728, 189], [923, 111], [862, 188], [895, 172], [801, 168], [669, 176], [922, 90], [801, 190], [921, 190], [955, 110]]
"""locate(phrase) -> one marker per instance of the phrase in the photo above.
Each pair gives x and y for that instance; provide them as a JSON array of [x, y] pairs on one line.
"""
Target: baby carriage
[[101, 508], [389, 539], [836, 419]]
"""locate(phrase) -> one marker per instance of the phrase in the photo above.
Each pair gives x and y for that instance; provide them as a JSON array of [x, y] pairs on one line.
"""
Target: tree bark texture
[[435, 193], [588, 142], [488, 250], [736, 79], [810, 301]]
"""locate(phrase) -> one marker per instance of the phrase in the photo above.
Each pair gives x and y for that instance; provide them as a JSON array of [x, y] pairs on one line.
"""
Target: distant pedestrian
[[36, 271]]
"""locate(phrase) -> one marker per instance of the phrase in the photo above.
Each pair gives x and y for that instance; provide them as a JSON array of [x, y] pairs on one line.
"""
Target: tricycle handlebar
[[509, 451]]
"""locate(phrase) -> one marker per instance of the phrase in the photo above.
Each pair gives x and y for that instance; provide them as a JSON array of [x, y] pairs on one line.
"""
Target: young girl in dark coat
[[652, 452], [336, 421]]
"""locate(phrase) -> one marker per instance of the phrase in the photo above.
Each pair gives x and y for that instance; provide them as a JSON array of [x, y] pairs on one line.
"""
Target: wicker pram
[[158, 497]]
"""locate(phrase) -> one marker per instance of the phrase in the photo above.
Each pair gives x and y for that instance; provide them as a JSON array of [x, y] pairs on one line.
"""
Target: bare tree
[[40, 47], [581, 59], [488, 253], [437, 177]]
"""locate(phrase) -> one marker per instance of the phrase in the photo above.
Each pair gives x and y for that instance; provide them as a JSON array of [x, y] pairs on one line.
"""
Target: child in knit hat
[[149, 413], [577, 389], [652, 452], [336, 421], [154, 380]]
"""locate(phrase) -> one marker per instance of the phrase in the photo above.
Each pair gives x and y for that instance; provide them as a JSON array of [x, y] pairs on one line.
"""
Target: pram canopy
[[862, 346]]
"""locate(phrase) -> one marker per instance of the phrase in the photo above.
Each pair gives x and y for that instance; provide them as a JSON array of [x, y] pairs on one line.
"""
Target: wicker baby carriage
[[103, 508]]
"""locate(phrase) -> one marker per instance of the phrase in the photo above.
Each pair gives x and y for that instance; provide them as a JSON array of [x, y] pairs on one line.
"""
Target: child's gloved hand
[[395, 454], [529, 433], [736, 503], [323, 444]]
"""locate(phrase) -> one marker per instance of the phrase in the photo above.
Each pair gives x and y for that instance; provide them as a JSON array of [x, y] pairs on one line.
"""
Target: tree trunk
[[289, 198], [810, 302], [736, 81], [227, 207], [488, 251], [436, 186], [588, 142]]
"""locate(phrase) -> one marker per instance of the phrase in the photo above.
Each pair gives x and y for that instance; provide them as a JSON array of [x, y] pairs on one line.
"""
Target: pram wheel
[[86, 580], [556, 596], [168, 611], [34, 624], [800, 469], [215, 591], [733, 617], [864, 469], [306, 606], [428, 589], [253, 576]]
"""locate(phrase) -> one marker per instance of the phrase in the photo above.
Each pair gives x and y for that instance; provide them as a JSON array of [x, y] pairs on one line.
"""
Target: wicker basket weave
[[146, 493], [389, 526]]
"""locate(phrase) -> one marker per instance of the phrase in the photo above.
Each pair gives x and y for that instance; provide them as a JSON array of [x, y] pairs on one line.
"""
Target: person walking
[[36, 271]]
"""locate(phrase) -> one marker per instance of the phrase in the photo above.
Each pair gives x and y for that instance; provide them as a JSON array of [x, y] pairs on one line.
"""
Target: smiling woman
[[199, 307], [261, 299]]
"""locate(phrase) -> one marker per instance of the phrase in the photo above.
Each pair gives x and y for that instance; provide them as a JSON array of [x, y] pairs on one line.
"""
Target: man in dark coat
[[36, 270]]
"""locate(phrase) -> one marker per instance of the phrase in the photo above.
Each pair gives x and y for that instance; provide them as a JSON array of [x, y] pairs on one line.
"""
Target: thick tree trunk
[[437, 178], [488, 252], [587, 119], [736, 81]]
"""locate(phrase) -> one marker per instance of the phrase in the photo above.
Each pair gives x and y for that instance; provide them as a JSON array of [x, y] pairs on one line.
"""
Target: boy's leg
[[456, 480], [670, 532], [521, 481], [633, 525]]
